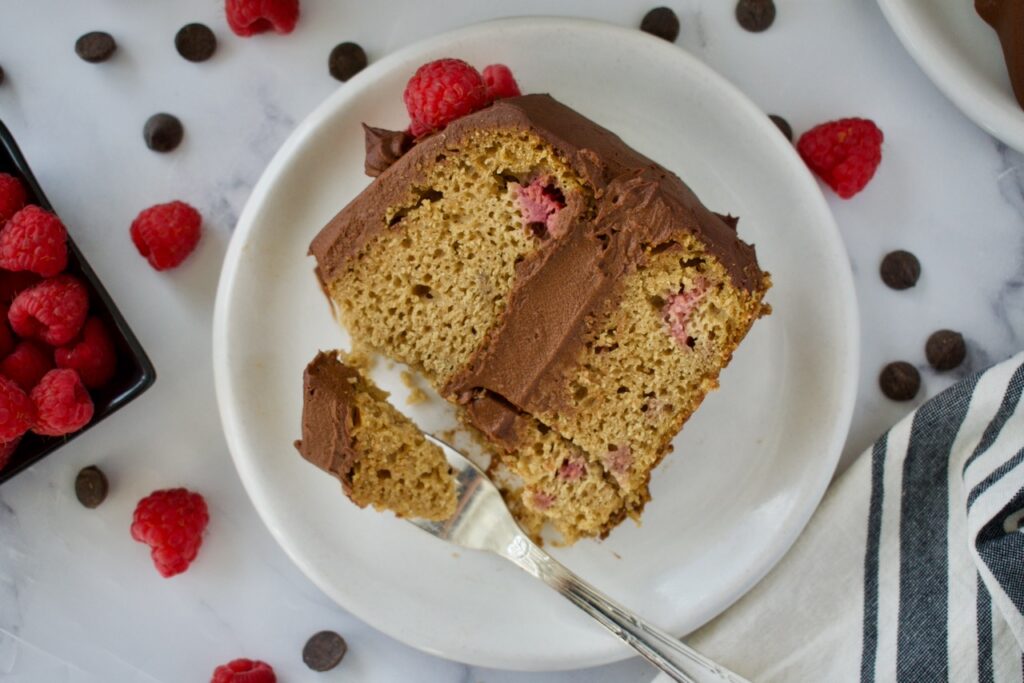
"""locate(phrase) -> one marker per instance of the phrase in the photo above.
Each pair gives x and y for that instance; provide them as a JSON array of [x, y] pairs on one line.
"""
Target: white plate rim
[[1002, 119], [230, 418]]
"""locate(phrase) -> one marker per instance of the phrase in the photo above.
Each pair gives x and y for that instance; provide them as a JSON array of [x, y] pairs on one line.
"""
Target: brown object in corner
[[1007, 18]]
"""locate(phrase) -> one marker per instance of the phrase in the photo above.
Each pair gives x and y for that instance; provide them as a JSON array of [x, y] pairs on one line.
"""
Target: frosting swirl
[[383, 148]]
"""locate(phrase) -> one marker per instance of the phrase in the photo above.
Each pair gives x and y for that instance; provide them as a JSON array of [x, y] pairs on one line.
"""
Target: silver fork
[[482, 522]]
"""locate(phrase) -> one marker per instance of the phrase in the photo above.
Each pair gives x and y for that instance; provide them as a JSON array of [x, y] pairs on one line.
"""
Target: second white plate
[[962, 56], [749, 468]]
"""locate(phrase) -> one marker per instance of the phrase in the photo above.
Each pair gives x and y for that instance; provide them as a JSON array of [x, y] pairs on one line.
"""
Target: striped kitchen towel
[[912, 569]]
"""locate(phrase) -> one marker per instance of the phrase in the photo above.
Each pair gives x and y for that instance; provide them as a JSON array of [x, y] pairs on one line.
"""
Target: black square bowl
[[135, 372]]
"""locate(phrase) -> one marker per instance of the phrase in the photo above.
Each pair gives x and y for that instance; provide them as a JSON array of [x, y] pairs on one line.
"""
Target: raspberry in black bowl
[[67, 357]]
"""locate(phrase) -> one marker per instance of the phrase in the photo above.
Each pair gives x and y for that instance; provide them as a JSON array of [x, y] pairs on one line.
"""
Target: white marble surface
[[79, 600]]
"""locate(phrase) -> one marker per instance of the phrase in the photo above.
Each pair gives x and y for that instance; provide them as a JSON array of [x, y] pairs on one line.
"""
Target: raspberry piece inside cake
[[539, 203]]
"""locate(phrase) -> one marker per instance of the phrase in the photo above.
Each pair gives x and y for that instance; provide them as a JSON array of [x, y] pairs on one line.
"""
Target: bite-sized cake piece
[[350, 430], [572, 297]]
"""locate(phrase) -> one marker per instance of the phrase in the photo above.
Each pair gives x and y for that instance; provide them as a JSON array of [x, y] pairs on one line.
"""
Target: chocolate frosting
[[1007, 18], [383, 148], [329, 390], [566, 286], [595, 153], [557, 292]]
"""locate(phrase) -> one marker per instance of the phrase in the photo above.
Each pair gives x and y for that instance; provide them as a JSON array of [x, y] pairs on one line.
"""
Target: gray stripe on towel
[[869, 646], [922, 647], [984, 622]]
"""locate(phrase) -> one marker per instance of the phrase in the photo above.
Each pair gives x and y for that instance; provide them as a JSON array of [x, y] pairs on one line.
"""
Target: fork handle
[[669, 654]]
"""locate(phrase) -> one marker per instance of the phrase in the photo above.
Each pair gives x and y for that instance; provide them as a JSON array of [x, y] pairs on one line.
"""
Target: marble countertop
[[79, 600]]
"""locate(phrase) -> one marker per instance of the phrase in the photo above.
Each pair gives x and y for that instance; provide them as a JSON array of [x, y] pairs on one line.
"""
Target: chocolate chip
[[945, 349], [91, 486], [783, 125], [96, 46], [324, 651], [195, 42], [900, 269], [346, 60], [755, 15], [661, 22], [163, 132], [900, 381]]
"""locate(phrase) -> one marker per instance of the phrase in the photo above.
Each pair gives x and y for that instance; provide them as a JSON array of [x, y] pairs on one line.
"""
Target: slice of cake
[[573, 298], [350, 430]]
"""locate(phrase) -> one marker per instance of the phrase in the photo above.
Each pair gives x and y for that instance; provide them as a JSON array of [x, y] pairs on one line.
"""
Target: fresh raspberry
[[500, 82], [844, 153], [34, 240], [92, 356], [17, 411], [442, 91], [27, 364], [166, 233], [62, 403], [12, 284], [171, 522], [7, 449], [244, 671], [12, 196], [52, 311], [248, 17]]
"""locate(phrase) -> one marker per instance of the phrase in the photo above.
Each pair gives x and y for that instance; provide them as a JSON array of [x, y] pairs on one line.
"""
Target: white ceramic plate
[[962, 56], [749, 468]]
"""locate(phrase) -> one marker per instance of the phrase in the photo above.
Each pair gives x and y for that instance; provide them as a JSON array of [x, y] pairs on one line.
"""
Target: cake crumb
[[416, 395], [361, 358]]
